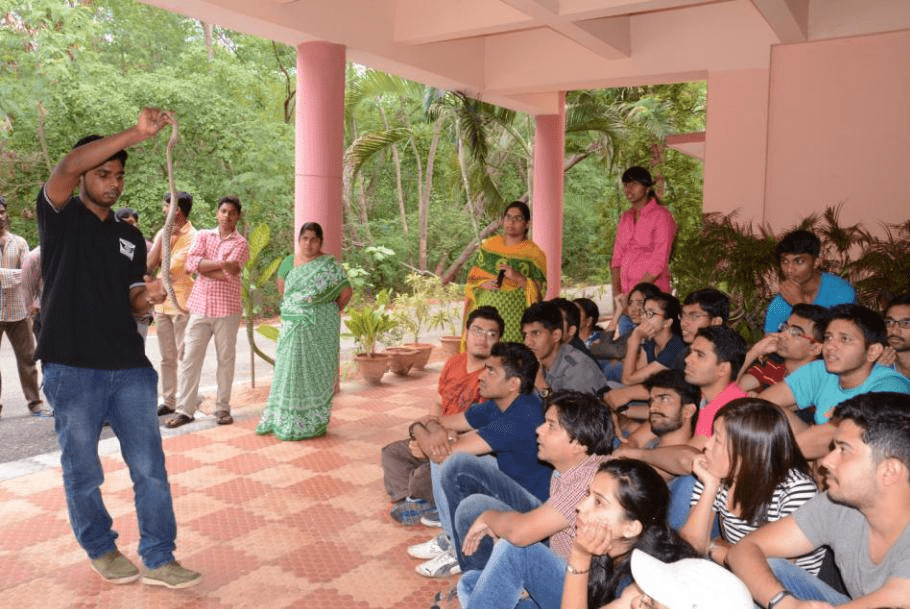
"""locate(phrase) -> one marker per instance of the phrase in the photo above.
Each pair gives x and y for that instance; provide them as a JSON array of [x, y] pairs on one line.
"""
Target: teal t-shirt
[[812, 385]]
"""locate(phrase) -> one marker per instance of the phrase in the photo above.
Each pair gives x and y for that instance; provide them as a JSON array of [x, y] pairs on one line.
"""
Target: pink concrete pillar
[[546, 209], [319, 140]]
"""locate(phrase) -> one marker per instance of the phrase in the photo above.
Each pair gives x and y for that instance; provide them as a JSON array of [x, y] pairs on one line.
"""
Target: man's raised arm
[[65, 176]]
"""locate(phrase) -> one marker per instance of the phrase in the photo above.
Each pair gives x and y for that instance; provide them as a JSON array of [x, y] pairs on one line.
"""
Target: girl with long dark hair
[[752, 472]]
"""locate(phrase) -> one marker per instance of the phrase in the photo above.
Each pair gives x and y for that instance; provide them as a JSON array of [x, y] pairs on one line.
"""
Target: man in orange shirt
[[405, 469]]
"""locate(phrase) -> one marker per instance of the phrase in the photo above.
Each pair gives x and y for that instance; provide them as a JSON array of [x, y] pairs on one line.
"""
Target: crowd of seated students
[[768, 460]]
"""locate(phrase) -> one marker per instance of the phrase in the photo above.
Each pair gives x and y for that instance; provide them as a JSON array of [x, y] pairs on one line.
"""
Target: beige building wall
[[736, 143], [839, 130]]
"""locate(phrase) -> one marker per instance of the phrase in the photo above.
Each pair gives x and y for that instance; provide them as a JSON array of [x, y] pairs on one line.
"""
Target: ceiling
[[521, 53]]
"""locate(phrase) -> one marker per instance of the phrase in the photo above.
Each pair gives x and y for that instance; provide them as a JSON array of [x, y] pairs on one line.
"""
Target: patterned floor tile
[[268, 523]]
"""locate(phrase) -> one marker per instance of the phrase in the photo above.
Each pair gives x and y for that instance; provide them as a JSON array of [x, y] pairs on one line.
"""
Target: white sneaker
[[444, 565], [431, 549]]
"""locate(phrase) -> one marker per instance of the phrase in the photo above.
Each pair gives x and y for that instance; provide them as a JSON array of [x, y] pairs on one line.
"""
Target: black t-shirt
[[89, 267]]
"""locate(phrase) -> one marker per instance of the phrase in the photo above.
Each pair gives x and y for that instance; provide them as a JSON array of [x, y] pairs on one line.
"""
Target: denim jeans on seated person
[[510, 570], [439, 497], [83, 399], [803, 584], [471, 486]]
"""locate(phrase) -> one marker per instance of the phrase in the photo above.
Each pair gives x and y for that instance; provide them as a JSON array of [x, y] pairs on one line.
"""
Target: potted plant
[[412, 312], [449, 317], [367, 323]]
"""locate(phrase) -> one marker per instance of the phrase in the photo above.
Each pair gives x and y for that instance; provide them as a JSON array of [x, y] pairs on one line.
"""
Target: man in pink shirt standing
[[215, 305], [644, 236]]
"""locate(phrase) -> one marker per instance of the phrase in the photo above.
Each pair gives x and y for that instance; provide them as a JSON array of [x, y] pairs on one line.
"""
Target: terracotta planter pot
[[423, 354], [372, 366], [401, 359], [450, 345]]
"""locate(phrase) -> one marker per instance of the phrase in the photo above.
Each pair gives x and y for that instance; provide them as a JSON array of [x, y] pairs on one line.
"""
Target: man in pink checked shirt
[[215, 305]]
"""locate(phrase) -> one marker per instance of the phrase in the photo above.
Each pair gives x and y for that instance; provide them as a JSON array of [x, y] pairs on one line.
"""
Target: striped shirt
[[796, 489], [566, 490], [12, 254], [216, 297]]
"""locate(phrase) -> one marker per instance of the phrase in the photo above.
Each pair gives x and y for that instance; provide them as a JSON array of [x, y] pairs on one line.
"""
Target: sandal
[[177, 420]]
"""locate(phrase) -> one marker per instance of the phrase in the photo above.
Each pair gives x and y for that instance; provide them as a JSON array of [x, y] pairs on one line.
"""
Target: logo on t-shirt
[[127, 248]]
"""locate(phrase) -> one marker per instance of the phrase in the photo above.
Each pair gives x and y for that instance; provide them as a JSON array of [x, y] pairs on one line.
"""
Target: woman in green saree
[[306, 359], [524, 272]]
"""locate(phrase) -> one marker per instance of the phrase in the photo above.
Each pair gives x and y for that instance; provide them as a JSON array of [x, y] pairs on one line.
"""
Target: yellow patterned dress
[[511, 300]]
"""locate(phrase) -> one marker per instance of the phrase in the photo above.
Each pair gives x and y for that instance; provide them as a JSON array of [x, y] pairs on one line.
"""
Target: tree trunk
[[289, 93], [396, 159], [208, 31], [423, 211]]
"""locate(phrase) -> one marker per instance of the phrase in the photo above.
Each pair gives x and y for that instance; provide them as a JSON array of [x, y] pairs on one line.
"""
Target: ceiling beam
[[788, 18]]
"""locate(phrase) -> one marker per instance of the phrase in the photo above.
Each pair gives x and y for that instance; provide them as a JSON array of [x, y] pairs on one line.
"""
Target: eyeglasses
[[650, 314], [903, 324], [478, 332], [796, 331]]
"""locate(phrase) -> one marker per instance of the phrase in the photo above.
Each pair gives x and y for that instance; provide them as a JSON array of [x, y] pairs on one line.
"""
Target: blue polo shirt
[[812, 385], [513, 438]]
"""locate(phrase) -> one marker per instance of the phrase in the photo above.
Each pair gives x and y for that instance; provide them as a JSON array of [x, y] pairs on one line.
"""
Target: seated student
[[700, 309], [562, 366], [589, 312], [575, 439], [610, 348], [703, 308], [803, 280], [625, 509], [854, 340], [897, 324], [751, 473], [672, 412], [503, 426], [654, 345], [797, 342], [406, 470], [571, 322], [864, 516], [715, 359]]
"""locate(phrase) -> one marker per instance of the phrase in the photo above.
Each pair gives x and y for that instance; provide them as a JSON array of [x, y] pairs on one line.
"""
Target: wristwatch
[[778, 598]]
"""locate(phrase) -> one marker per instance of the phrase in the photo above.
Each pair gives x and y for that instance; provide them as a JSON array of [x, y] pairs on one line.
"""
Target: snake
[[169, 220]]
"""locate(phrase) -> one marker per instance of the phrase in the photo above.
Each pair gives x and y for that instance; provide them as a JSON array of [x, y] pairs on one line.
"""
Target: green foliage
[[251, 282], [368, 322], [740, 261]]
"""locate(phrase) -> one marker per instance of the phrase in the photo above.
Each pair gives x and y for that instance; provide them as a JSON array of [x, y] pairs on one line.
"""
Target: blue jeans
[[473, 485], [509, 571], [803, 584], [83, 399], [439, 497]]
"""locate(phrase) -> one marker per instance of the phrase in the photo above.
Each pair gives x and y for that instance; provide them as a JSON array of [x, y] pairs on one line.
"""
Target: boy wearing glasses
[[897, 324], [853, 341], [797, 342]]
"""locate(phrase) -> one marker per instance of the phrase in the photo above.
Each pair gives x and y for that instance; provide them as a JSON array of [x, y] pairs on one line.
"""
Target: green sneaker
[[115, 568], [171, 575]]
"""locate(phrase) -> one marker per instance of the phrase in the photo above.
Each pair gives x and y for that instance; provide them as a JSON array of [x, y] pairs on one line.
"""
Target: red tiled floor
[[268, 523]]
